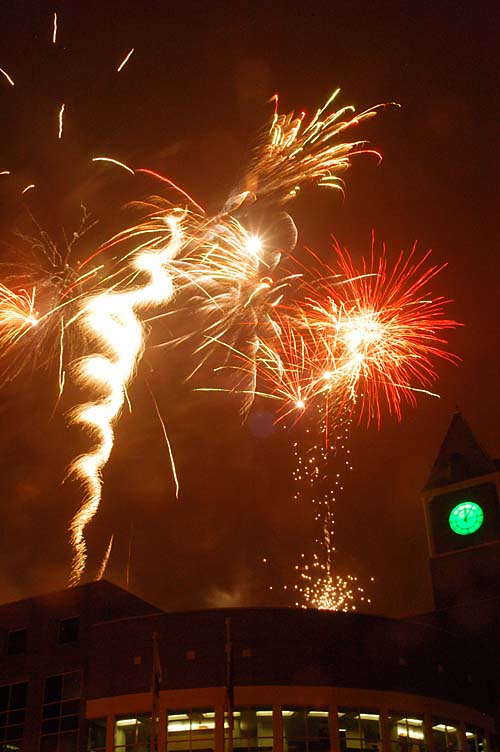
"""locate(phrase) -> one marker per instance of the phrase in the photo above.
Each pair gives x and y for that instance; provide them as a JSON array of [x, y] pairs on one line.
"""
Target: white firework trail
[[112, 318]]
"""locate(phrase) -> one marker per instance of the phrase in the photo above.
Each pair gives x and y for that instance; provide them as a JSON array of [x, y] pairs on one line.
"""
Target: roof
[[460, 457]]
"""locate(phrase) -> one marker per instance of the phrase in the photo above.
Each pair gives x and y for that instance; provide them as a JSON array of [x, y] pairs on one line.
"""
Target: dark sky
[[189, 104]]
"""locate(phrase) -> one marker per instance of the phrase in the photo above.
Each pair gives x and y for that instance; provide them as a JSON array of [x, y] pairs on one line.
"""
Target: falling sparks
[[125, 60], [54, 29], [28, 188], [318, 479], [6, 75], [61, 114]]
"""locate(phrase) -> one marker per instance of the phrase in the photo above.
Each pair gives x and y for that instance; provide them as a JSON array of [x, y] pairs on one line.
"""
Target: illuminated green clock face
[[466, 518]]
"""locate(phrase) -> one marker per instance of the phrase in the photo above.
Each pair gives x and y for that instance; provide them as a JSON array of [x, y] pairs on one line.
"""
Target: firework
[[17, 315], [111, 319], [296, 152], [361, 337], [365, 340]]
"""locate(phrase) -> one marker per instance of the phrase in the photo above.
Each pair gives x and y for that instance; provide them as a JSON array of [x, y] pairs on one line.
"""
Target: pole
[[229, 684], [156, 677]]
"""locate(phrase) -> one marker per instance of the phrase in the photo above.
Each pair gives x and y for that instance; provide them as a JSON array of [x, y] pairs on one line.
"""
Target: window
[[407, 732], [252, 729], [61, 713], [191, 730], [359, 729], [444, 736], [12, 713], [133, 732], [305, 729], [68, 630], [476, 740], [97, 735], [16, 642]]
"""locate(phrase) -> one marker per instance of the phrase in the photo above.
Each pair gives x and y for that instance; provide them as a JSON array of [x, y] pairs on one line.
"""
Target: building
[[89, 668]]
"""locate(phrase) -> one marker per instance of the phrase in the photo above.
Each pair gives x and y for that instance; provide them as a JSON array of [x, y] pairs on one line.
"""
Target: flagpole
[[156, 677], [229, 684]]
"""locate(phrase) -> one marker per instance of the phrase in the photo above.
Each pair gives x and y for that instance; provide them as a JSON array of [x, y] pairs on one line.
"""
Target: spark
[[104, 563], [54, 31], [173, 185], [5, 172], [28, 188], [169, 446], [61, 113], [113, 161], [125, 60], [9, 79]]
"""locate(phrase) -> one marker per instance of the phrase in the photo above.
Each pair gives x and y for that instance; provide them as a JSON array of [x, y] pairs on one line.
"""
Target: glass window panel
[[253, 728], [407, 732], [192, 729], [68, 629], [475, 738], [68, 742], [14, 732], [359, 729], [16, 642], [294, 723], [3, 719], [53, 689], [69, 723], [444, 735], [71, 707], [4, 698], [133, 729], [305, 729], [51, 726], [15, 716], [51, 711], [97, 734], [18, 696], [48, 744], [71, 685]]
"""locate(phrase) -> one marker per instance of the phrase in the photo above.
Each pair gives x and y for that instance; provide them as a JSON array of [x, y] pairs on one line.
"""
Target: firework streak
[[350, 338]]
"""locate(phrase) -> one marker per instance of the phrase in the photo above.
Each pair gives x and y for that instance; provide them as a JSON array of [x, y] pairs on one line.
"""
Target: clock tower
[[462, 512]]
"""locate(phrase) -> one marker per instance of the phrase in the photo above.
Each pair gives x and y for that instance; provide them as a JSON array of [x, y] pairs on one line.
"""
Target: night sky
[[190, 104]]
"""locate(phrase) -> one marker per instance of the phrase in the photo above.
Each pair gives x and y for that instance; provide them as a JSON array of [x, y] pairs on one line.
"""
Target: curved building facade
[[89, 668], [284, 679]]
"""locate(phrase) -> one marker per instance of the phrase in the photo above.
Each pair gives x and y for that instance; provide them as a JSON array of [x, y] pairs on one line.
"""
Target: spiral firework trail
[[111, 318]]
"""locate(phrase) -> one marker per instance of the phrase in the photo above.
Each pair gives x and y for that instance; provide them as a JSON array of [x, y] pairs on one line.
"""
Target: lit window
[[61, 713], [445, 736], [407, 732], [252, 729], [133, 732], [305, 729], [476, 740], [16, 642], [12, 713], [192, 729], [359, 729]]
